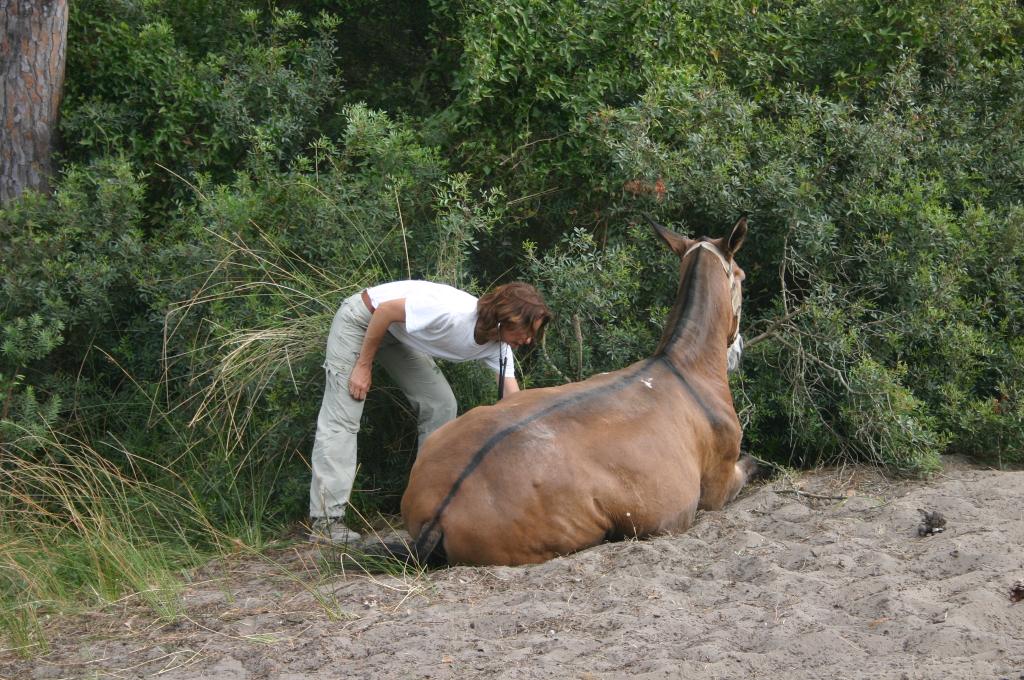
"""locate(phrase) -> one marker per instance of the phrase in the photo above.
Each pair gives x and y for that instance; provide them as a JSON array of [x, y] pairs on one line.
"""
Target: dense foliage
[[231, 172]]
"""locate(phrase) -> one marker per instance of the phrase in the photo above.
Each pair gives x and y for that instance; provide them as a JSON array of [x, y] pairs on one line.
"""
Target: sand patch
[[820, 576]]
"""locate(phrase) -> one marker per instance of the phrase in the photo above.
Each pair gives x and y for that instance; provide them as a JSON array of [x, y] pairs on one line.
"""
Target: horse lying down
[[636, 452]]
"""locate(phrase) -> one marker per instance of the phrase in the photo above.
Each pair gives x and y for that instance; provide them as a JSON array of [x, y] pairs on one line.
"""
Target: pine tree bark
[[32, 48]]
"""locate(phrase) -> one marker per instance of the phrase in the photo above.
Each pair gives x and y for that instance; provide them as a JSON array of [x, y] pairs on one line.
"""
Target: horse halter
[[734, 288]]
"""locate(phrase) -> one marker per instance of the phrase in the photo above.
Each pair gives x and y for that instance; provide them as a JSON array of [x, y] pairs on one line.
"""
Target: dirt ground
[[825, 575]]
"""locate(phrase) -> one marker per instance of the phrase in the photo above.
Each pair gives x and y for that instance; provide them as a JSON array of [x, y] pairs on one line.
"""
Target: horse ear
[[677, 243], [736, 238]]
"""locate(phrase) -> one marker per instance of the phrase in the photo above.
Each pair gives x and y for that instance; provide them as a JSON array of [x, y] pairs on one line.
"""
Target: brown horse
[[636, 452]]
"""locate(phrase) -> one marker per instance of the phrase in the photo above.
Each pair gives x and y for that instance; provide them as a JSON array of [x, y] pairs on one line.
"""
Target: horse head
[[723, 250]]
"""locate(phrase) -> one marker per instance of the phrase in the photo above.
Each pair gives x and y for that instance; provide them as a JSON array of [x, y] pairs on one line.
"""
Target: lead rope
[[502, 362]]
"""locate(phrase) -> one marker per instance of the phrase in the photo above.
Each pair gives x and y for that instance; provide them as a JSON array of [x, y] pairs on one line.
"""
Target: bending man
[[403, 325]]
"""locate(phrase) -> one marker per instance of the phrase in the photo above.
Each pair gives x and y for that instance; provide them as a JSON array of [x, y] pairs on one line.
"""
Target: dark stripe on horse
[[680, 321], [689, 388], [429, 536]]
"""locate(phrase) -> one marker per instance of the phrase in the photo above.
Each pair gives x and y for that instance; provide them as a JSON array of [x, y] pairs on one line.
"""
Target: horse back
[[552, 470]]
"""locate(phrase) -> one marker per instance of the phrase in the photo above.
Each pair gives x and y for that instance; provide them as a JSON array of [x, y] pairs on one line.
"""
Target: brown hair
[[513, 303]]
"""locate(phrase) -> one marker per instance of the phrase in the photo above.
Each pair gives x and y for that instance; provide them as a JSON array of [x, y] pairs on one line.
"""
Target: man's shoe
[[332, 530]]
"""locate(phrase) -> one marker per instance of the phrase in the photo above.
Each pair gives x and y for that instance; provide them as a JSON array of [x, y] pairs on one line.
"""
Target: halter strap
[[717, 253]]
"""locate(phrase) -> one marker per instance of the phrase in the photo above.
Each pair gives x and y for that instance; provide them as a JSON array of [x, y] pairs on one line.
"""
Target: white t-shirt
[[439, 321]]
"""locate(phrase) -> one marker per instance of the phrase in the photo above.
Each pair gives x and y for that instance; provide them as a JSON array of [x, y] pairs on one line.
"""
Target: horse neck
[[697, 330]]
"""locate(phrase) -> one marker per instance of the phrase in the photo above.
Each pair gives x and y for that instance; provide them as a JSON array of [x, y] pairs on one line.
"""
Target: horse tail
[[426, 552], [429, 547]]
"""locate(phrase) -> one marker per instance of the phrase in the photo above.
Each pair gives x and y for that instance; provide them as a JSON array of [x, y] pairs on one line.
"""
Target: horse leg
[[722, 488]]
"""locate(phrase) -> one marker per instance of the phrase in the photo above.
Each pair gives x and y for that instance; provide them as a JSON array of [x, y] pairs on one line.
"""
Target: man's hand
[[359, 381], [387, 313]]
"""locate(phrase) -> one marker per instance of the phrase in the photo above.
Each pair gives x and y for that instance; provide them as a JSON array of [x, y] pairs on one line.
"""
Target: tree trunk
[[32, 46]]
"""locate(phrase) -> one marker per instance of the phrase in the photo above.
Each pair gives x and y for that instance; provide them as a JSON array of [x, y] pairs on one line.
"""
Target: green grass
[[79, 530], [76, 531]]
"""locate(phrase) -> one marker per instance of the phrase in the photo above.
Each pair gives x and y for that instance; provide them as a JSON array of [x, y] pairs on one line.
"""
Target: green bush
[[177, 96], [67, 269]]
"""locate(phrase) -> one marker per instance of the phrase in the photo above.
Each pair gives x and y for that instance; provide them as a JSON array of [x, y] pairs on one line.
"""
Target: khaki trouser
[[334, 450]]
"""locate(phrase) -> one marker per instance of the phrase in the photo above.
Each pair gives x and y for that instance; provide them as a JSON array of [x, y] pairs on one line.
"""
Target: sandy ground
[[819, 576]]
